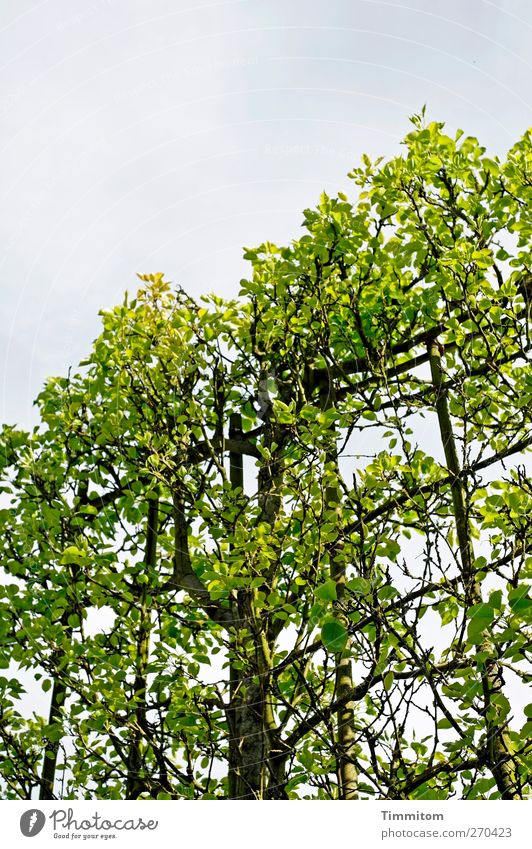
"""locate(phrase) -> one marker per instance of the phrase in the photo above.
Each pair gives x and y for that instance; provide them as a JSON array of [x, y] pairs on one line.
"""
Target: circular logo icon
[[32, 822]]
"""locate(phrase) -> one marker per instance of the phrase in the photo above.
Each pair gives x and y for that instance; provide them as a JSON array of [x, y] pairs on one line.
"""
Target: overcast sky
[[163, 135]]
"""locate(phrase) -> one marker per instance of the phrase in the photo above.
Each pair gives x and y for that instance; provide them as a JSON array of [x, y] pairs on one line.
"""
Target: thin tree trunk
[[51, 749], [253, 733], [236, 476], [59, 692], [137, 783], [498, 744], [345, 718], [246, 743]]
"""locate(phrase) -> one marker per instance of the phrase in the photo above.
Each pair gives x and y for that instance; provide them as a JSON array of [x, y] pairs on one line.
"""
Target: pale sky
[[164, 135]]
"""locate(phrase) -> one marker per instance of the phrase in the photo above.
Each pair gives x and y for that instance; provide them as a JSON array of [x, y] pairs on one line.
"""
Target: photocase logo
[[32, 822]]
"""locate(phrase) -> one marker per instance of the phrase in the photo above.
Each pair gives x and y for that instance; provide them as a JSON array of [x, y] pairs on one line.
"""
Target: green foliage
[[334, 635], [177, 579]]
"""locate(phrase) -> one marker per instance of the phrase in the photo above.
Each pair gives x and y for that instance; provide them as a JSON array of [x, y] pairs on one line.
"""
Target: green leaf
[[481, 617], [73, 555], [519, 600], [388, 680], [360, 586], [334, 635], [327, 591]]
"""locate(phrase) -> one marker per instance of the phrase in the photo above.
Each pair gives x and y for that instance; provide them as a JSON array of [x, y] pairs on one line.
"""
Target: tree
[[278, 547]]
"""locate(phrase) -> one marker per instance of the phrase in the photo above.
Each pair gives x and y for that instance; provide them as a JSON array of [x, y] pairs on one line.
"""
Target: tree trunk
[[137, 783], [252, 723], [345, 718], [49, 766], [59, 692], [249, 751], [498, 744]]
